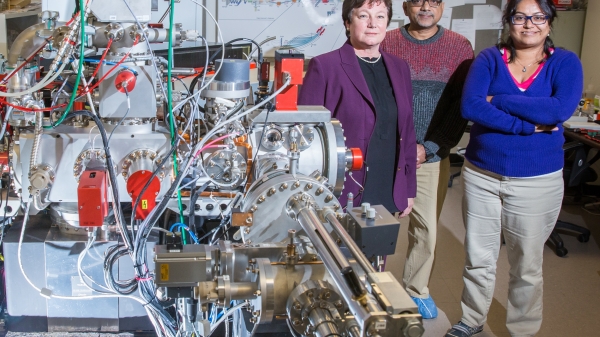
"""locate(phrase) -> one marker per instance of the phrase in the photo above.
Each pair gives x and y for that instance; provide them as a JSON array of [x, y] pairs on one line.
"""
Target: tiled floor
[[571, 284]]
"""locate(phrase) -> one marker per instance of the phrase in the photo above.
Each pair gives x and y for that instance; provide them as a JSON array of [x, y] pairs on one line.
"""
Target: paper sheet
[[445, 21], [487, 17], [466, 28], [475, 1], [453, 3]]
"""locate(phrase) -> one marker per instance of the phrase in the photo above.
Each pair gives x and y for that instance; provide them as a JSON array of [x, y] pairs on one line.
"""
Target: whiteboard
[[313, 27]]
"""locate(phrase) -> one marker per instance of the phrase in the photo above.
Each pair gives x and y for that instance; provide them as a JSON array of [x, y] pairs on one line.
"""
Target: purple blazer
[[335, 80]]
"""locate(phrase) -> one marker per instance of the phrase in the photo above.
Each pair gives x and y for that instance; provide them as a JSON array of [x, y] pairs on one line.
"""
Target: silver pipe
[[26, 44], [85, 84], [307, 218], [322, 235], [36, 140], [364, 263], [181, 71]]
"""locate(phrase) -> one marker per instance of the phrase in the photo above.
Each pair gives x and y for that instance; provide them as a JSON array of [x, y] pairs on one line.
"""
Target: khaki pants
[[525, 211], [432, 184]]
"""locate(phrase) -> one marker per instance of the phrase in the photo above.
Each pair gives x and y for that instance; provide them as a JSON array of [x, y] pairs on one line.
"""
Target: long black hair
[[547, 7]]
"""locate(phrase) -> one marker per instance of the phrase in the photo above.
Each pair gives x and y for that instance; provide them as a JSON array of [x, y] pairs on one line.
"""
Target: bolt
[[247, 230], [328, 198], [296, 322], [272, 191], [309, 186], [261, 198], [326, 295], [338, 304], [310, 294], [249, 220], [319, 190], [253, 208], [297, 305], [296, 184], [284, 186], [257, 293]]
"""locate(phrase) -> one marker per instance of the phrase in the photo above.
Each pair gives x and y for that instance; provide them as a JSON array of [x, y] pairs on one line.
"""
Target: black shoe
[[462, 330]]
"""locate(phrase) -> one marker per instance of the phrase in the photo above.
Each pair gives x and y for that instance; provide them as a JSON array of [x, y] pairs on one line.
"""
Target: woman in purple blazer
[[369, 92]]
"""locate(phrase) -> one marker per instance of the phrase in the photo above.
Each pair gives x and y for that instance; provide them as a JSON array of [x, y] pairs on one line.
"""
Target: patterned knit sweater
[[438, 68]]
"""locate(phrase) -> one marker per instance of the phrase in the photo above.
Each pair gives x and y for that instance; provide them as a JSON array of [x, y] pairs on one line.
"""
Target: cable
[[110, 41], [5, 123], [81, 57], [192, 235], [220, 320], [262, 134], [124, 116], [145, 36]]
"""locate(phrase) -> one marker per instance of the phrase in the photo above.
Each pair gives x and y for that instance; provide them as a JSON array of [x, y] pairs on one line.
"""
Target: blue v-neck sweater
[[503, 140]]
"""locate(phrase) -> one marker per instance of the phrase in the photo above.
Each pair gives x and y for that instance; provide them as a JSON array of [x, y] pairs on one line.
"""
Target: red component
[[292, 63], [156, 25], [357, 159], [563, 3], [4, 161], [92, 200], [135, 184], [125, 79], [78, 106]]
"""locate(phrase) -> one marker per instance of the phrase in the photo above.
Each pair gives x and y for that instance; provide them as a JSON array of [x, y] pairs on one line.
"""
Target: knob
[[371, 213], [364, 207]]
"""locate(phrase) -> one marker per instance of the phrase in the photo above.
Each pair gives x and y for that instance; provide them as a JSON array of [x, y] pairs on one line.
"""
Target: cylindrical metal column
[[309, 221], [323, 322]]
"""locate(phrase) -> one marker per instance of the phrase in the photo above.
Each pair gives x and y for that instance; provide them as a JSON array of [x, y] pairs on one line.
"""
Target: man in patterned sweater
[[439, 60]]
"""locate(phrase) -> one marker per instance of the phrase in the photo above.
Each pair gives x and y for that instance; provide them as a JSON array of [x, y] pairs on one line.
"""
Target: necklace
[[525, 67], [369, 61]]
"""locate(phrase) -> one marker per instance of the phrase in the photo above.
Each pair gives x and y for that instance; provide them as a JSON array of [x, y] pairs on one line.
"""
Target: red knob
[[357, 159], [125, 79]]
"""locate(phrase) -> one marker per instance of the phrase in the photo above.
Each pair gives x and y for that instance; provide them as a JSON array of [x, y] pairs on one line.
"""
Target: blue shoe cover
[[426, 306]]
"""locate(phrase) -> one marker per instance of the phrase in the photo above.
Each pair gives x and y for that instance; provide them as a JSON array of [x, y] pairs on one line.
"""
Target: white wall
[[590, 51]]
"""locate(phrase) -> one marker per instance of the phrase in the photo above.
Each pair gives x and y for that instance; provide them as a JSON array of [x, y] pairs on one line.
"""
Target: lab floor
[[571, 284]]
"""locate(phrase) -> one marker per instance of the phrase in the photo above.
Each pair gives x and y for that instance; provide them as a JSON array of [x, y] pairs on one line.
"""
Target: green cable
[[170, 109], [79, 70]]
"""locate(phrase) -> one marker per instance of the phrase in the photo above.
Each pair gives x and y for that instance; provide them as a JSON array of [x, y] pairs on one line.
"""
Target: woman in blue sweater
[[517, 95]]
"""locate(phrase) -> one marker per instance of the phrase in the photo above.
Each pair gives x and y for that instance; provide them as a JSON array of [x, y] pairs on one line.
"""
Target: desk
[[579, 137]]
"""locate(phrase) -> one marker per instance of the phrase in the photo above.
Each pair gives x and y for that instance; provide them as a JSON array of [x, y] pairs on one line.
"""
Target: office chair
[[456, 160], [576, 172]]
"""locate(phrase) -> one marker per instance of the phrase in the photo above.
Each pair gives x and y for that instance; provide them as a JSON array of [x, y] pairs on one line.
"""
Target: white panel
[[64, 7]]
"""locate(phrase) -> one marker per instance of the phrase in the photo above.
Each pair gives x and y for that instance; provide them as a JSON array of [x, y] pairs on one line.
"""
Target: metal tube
[[364, 263], [323, 323], [243, 290], [316, 226], [308, 219]]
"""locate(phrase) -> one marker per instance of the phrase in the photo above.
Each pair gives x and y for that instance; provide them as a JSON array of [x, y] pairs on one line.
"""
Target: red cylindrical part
[[357, 159]]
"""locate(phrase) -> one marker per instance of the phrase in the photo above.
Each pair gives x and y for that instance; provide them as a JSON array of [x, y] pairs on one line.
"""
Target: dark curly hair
[[547, 7]]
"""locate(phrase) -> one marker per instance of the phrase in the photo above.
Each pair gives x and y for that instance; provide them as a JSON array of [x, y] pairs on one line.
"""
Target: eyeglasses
[[535, 19], [419, 3]]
